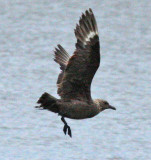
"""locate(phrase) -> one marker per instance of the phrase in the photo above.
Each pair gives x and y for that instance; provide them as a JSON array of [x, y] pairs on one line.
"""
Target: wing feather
[[82, 66], [61, 57]]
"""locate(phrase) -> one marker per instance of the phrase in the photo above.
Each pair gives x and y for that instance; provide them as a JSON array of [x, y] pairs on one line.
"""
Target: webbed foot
[[66, 127]]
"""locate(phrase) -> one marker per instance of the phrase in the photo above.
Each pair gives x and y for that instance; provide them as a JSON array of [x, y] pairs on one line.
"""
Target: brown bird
[[77, 72]]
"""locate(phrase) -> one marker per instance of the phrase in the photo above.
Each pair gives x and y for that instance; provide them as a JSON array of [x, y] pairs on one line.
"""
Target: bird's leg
[[66, 127]]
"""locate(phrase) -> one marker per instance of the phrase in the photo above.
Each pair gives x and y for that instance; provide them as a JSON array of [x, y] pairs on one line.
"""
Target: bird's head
[[103, 104]]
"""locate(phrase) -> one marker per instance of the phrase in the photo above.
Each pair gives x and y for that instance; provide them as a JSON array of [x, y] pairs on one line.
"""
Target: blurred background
[[29, 31]]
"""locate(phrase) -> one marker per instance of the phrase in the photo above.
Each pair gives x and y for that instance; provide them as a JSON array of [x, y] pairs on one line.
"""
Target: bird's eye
[[106, 103]]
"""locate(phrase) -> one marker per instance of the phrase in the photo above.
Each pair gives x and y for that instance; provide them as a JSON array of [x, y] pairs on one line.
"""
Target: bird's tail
[[48, 102]]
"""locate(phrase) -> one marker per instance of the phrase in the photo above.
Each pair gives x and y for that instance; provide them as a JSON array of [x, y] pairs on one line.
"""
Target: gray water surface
[[29, 31]]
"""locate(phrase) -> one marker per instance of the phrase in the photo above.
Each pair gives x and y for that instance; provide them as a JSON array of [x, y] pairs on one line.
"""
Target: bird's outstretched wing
[[79, 71], [61, 57]]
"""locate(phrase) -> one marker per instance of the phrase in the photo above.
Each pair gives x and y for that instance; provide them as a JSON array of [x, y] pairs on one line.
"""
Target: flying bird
[[77, 72]]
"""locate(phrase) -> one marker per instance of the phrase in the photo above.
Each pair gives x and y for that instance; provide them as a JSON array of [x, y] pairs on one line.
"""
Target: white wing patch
[[90, 35]]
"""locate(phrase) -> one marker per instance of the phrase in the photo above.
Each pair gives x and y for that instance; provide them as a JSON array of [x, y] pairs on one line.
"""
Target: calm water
[[29, 31]]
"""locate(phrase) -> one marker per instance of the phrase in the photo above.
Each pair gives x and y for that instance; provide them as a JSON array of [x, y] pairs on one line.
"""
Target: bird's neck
[[98, 106]]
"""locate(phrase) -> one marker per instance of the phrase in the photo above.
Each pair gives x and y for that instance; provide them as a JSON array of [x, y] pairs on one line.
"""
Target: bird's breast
[[77, 110]]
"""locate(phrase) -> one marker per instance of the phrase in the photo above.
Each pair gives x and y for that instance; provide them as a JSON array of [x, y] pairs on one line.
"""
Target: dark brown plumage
[[77, 72]]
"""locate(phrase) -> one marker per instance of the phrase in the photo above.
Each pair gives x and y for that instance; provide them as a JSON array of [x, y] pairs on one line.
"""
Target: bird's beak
[[111, 107]]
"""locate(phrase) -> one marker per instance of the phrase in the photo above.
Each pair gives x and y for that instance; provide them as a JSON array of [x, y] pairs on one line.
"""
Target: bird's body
[[78, 109], [77, 72], [73, 109]]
